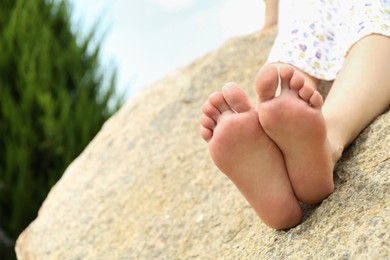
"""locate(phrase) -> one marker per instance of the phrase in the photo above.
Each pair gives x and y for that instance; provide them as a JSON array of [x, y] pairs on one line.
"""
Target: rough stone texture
[[146, 188]]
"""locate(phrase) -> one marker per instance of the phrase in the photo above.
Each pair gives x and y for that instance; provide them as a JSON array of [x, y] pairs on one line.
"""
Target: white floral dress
[[315, 35]]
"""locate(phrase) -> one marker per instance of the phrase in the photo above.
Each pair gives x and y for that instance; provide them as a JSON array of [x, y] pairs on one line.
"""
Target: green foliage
[[53, 100]]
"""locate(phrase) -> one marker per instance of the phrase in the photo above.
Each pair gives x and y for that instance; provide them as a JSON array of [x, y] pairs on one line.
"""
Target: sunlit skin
[[284, 149], [245, 153]]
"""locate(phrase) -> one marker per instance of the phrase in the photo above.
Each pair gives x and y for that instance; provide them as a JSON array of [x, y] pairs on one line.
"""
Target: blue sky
[[147, 39]]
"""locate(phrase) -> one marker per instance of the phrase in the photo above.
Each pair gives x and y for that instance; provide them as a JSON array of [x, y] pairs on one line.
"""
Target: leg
[[293, 120], [271, 13], [360, 93], [240, 149]]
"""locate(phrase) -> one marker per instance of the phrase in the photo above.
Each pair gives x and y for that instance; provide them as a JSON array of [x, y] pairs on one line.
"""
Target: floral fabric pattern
[[316, 35]]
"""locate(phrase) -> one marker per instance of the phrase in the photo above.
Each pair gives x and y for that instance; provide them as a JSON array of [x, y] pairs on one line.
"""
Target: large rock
[[146, 188]]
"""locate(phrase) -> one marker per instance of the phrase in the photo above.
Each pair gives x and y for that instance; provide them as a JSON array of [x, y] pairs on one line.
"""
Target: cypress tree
[[53, 99]]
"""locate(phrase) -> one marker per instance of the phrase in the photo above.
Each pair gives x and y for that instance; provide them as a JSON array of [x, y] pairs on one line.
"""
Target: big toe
[[236, 97], [267, 81]]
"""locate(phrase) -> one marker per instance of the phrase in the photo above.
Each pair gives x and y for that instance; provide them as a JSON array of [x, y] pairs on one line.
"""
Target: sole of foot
[[294, 121], [242, 150]]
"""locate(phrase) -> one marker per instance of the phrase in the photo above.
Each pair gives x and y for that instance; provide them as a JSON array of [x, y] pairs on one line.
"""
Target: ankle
[[336, 140], [337, 153], [336, 150]]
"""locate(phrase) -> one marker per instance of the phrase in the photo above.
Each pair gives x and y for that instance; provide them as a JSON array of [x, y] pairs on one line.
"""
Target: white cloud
[[172, 5], [241, 17]]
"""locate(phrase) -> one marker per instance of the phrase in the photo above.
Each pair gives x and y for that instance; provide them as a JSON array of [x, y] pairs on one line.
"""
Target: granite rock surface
[[145, 187]]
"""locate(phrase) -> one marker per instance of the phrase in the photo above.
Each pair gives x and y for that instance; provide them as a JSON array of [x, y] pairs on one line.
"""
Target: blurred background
[[67, 66], [146, 39]]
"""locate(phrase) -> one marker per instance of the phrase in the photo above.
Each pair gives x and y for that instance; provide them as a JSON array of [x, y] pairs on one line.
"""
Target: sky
[[146, 39]]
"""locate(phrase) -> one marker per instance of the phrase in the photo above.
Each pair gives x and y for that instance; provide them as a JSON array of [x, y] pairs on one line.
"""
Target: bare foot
[[294, 121], [241, 149]]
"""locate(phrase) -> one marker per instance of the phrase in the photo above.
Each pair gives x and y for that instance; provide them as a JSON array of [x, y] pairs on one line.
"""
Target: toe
[[286, 72], [217, 100], [236, 97], [297, 81], [316, 100], [206, 133], [306, 92], [211, 111], [207, 122], [267, 81]]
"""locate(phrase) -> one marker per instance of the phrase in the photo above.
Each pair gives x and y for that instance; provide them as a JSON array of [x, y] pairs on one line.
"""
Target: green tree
[[54, 98]]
